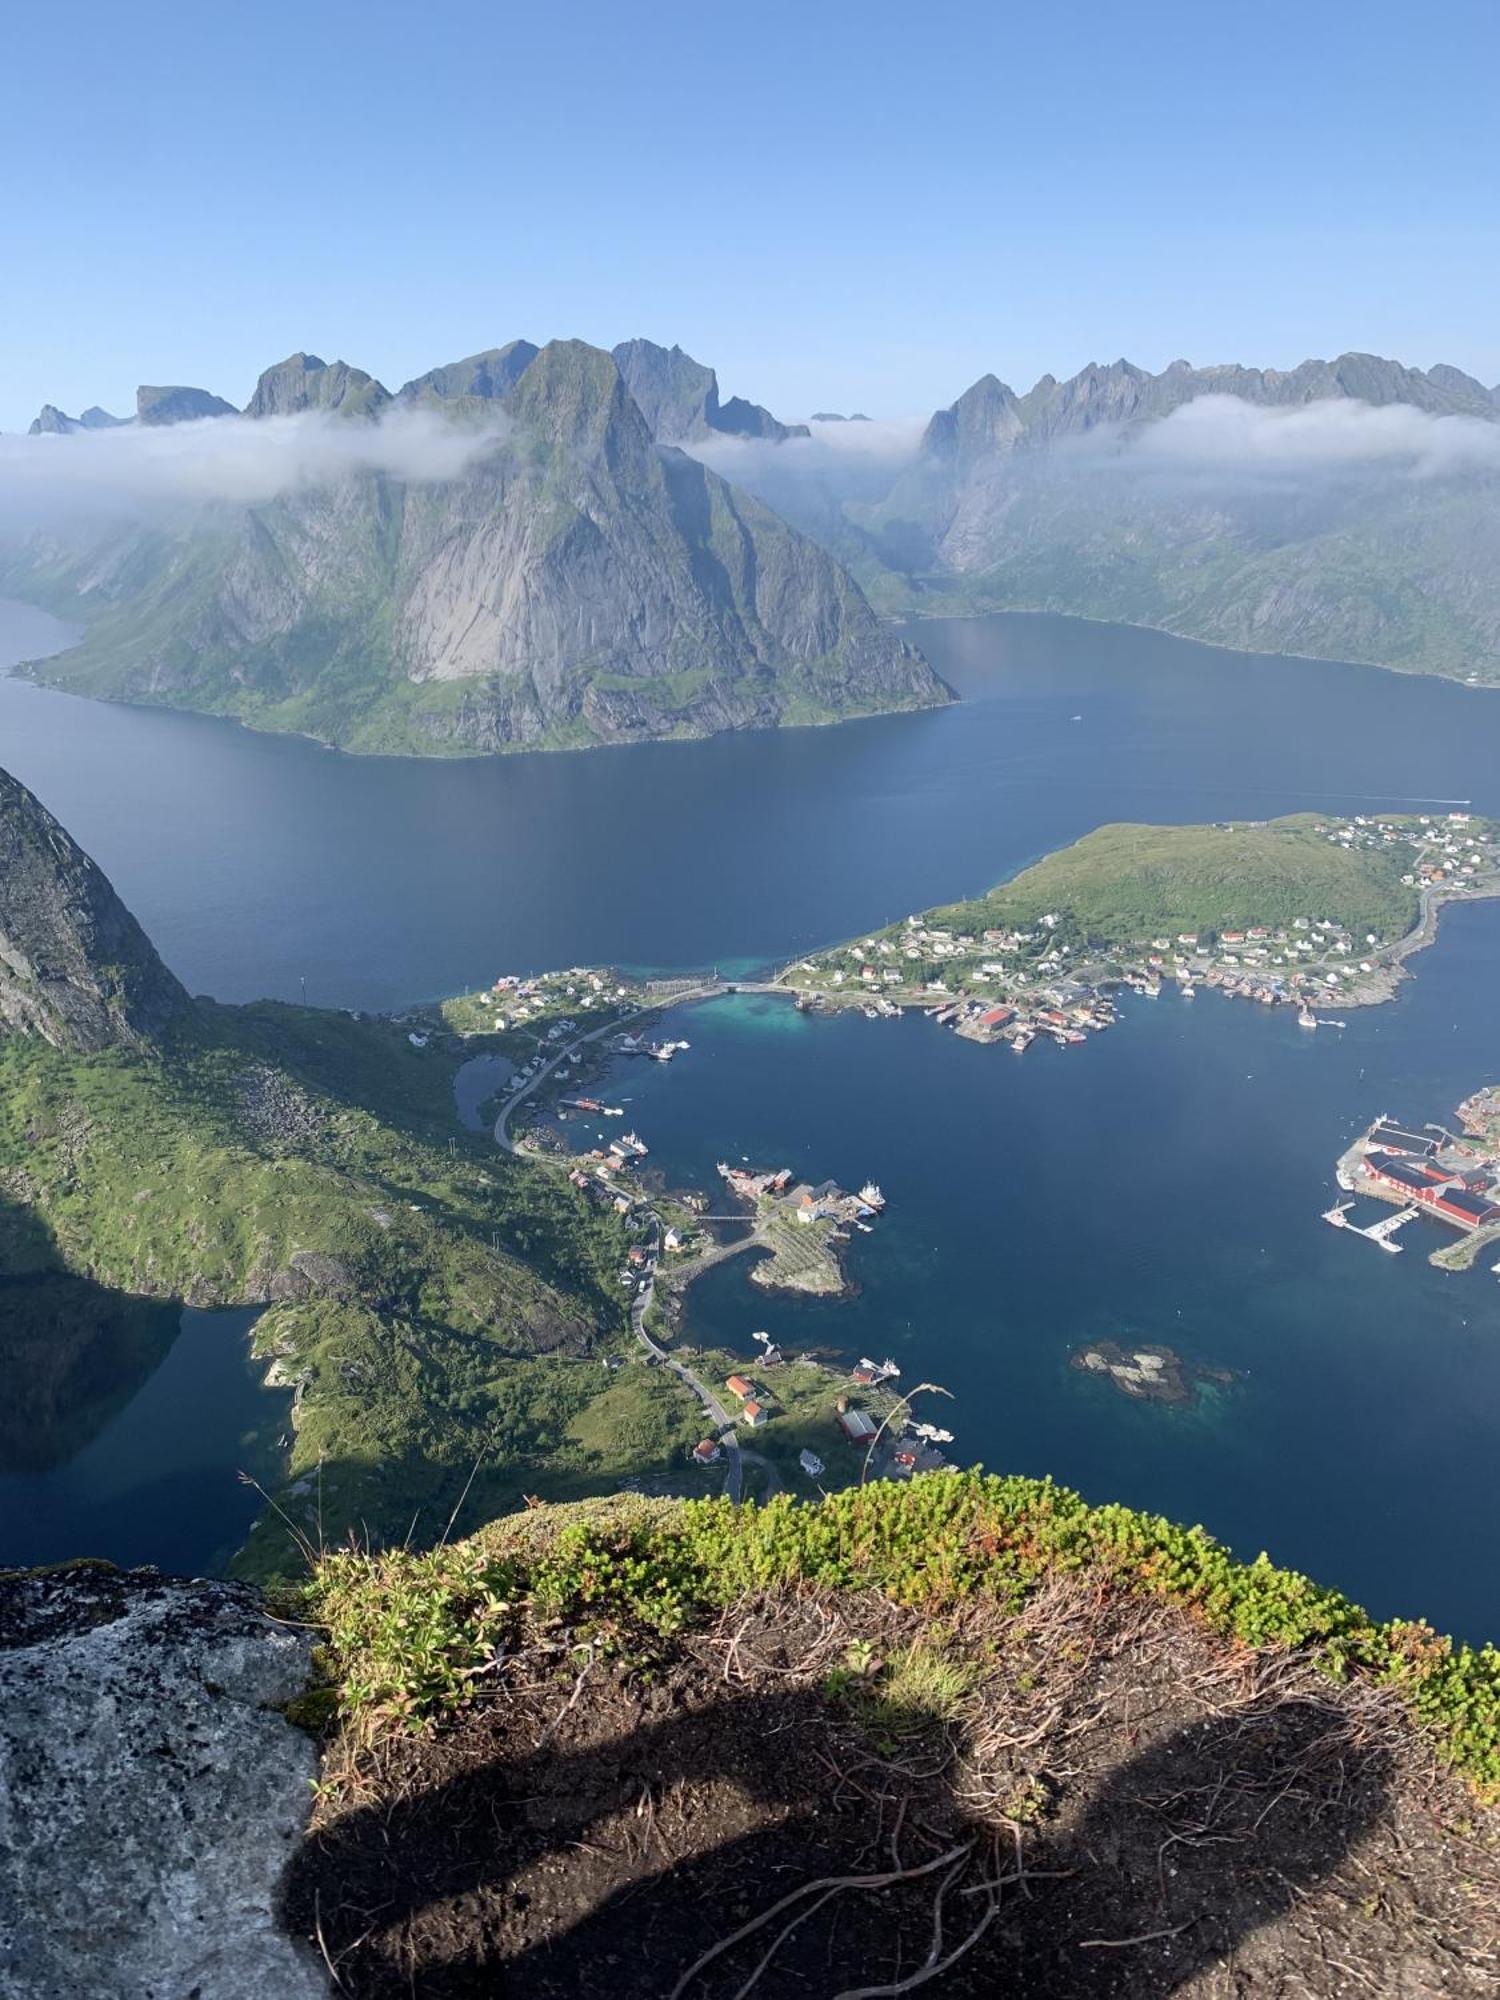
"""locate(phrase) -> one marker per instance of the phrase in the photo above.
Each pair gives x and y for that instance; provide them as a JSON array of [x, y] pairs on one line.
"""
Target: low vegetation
[[412, 1635], [441, 1310], [1121, 884]]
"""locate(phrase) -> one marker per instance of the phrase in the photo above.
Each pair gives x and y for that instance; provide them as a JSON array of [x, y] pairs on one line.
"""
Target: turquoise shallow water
[[1163, 1181]]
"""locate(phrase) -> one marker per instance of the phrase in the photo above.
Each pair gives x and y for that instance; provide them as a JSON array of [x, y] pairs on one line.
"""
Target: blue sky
[[837, 205]]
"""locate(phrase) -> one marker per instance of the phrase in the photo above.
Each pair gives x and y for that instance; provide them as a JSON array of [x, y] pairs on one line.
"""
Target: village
[[581, 1023], [840, 1426], [1453, 1179], [1013, 985]]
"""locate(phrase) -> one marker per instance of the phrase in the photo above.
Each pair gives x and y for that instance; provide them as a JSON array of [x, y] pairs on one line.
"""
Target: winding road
[[719, 1417]]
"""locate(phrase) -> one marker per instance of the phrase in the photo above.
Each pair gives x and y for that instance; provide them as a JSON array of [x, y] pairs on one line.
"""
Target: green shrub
[[411, 1634]]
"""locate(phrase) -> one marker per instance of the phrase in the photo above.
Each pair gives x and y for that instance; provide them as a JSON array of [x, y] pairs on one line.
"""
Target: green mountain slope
[[1043, 502], [434, 1302], [574, 584]]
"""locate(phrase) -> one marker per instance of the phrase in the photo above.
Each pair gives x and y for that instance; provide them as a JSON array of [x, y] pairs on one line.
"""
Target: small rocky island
[[1147, 1371]]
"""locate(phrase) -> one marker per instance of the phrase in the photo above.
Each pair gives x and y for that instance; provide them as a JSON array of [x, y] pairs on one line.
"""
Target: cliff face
[[1004, 506], [75, 966], [577, 583], [177, 405], [303, 382], [679, 398]]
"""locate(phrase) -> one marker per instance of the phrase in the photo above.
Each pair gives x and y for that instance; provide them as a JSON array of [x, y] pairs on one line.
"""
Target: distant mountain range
[[1048, 501], [588, 576], [581, 580]]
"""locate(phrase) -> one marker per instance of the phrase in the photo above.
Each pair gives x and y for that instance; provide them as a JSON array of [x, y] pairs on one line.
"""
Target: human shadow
[[558, 1873]]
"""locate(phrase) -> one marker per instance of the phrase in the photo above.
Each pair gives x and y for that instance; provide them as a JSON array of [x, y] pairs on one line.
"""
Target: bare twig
[[830, 1882]]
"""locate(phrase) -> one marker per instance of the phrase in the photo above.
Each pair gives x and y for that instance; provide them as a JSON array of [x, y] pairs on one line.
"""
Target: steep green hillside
[[433, 1301]]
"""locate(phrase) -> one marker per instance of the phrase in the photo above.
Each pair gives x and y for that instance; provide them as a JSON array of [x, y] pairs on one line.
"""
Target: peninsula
[[1308, 911]]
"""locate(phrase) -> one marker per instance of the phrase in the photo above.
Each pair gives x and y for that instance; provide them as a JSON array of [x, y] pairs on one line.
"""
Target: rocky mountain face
[[576, 583], [303, 382], [991, 417], [178, 405], [679, 398], [56, 422], [480, 378], [75, 966], [1004, 507]]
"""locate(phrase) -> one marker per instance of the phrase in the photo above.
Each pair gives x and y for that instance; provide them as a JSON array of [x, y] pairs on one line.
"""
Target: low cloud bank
[[1225, 433], [809, 479], [240, 459]]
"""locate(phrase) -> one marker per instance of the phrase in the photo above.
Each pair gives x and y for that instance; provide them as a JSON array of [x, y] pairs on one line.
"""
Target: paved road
[[616, 1027], [718, 1416]]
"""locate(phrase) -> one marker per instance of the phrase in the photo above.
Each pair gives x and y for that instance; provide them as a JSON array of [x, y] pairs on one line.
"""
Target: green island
[[520, 1561], [1308, 910]]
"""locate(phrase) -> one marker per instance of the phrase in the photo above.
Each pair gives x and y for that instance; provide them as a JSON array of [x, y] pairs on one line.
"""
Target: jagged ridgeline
[[1377, 538], [433, 1302], [577, 580]]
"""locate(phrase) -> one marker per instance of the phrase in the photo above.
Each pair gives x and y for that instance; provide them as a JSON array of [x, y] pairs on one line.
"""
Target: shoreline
[[916, 617], [1376, 989]]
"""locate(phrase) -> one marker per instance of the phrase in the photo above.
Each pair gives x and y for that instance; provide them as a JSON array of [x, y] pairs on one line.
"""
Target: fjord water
[[1162, 1182], [256, 862]]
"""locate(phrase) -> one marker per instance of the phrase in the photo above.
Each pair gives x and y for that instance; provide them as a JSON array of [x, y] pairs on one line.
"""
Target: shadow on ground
[[795, 1851]]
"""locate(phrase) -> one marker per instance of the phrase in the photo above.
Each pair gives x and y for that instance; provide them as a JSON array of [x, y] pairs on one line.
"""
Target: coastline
[[915, 616]]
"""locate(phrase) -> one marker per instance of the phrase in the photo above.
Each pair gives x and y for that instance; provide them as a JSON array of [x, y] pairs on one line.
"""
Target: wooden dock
[[1382, 1232]]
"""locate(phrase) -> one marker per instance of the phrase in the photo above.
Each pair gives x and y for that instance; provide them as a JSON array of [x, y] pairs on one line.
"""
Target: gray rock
[[679, 398], [481, 378], [75, 966], [150, 1794], [176, 404], [304, 382]]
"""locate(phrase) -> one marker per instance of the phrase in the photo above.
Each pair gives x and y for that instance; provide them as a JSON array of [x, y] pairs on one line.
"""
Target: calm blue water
[[158, 1483], [256, 862], [1162, 1181]]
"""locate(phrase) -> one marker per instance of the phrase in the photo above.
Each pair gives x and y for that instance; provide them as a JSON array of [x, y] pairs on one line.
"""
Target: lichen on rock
[[151, 1791]]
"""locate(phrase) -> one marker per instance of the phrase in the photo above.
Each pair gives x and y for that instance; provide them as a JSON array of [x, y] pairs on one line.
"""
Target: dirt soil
[[1115, 1804]]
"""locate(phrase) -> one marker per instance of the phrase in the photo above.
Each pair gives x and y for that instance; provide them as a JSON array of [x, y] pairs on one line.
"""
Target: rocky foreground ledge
[[151, 1791]]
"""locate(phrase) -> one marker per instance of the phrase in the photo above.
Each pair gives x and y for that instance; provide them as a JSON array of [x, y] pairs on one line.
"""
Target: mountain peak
[[53, 422], [177, 404], [485, 377], [307, 382], [679, 398], [75, 966], [573, 394]]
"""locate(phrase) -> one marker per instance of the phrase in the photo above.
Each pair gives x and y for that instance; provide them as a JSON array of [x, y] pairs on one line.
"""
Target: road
[[719, 1418], [616, 1027]]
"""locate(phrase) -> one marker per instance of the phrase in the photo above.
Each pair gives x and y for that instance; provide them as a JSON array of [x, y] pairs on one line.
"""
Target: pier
[[1382, 1232]]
